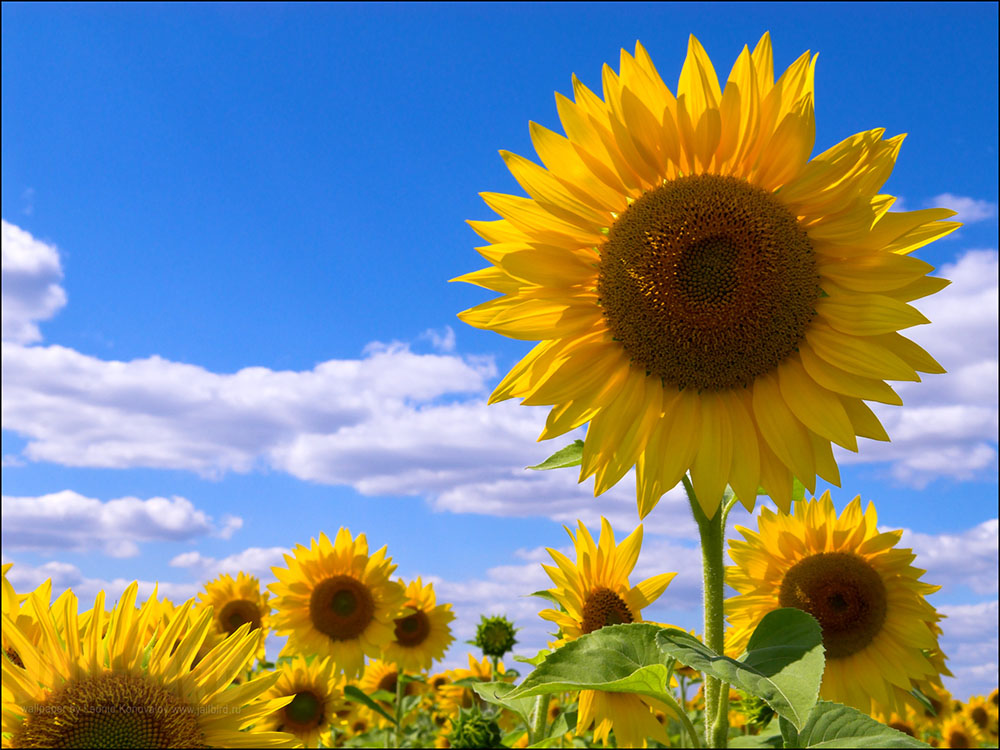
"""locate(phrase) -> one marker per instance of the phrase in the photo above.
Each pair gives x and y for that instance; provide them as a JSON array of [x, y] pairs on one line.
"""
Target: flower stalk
[[712, 533]]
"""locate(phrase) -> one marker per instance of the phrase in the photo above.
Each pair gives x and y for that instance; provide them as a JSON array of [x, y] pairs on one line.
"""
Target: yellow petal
[[785, 434], [817, 408], [843, 382], [863, 356]]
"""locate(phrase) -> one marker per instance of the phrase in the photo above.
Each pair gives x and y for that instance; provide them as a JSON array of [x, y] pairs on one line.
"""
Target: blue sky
[[192, 191]]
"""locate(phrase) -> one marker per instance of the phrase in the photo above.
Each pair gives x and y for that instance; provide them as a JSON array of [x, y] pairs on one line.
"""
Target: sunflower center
[[844, 593], [388, 682], [958, 738], [14, 657], [979, 717], [237, 612], [304, 712], [708, 282], [605, 607], [110, 710], [413, 630], [341, 607]]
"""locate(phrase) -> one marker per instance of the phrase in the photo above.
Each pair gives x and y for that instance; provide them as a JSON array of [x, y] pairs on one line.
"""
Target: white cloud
[[256, 561], [442, 341], [69, 521], [953, 560], [948, 423], [970, 643], [969, 210], [25, 578], [30, 291]]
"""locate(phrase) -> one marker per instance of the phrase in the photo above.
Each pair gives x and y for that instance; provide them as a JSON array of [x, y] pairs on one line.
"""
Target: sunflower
[[236, 601], [983, 713], [706, 297], [453, 697], [960, 731], [337, 600], [422, 633], [316, 700], [877, 626], [594, 592], [114, 686], [383, 675], [20, 609]]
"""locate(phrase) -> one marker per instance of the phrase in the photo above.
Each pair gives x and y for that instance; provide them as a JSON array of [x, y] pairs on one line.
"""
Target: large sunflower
[[707, 297], [878, 629], [594, 592], [236, 601], [422, 633], [115, 686], [317, 703], [337, 600]]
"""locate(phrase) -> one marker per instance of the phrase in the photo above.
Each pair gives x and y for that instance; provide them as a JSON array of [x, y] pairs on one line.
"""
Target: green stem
[[397, 734], [536, 732], [685, 721], [712, 532]]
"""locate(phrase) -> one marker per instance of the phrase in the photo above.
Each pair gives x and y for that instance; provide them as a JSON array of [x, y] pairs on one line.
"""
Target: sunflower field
[[716, 307]]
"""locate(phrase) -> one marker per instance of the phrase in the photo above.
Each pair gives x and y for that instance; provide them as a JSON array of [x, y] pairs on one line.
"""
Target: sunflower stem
[[398, 730], [536, 732], [712, 532]]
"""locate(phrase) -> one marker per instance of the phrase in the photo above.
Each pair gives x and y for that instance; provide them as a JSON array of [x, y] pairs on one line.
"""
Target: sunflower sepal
[[783, 664], [565, 457]]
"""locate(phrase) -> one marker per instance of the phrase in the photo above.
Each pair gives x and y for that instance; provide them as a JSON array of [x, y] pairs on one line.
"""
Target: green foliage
[[473, 730], [783, 664], [833, 725], [352, 693], [497, 693], [571, 455]]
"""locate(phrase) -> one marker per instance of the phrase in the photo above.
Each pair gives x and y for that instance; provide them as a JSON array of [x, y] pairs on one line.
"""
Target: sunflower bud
[[495, 635]]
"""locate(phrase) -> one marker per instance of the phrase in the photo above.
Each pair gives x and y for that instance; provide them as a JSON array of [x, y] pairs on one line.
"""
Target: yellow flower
[[594, 592], [335, 600], [235, 602], [706, 297], [115, 686], [422, 633], [960, 731], [983, 713], [315, 700], [383, 675], [454, 696], [877, 625]]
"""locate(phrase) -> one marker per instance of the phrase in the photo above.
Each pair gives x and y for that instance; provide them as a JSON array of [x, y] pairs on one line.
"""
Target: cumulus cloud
[[442, 341], [31, 274], [970, 643], [953, 560], [25, 578], [69, 521], [970, 210], [948, 424], [256, 561]]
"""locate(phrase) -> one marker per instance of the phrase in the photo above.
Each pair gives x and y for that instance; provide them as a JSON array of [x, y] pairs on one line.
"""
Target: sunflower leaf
[[833, 725], [798, 490], [571, 455], [352, 693], [497, 692], [615, 659], [783, 665]]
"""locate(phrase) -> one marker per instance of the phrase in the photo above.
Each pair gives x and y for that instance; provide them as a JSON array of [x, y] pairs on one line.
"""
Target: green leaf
[[545, 594], [924, 700], [536, 659], [756, 740], [497, 692], [783, 665], [833, 725], [571, 455], [352, 693], [615, 659]]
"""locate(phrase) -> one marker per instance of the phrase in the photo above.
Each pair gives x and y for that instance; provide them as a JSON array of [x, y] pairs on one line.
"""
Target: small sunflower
[[316, 700], [337, 600], [959, 730], [983, 713], [454, 697], [877, 626], [422, 632], [383, 675], [594, 592], [706, 297], [236, 601], [115, 686]]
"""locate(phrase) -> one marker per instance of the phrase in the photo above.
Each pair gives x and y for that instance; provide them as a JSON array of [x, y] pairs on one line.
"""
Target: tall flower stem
[[536, 732], [712, 532]]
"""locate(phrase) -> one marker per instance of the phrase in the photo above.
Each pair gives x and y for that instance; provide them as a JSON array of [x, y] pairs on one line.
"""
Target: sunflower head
[[114, 684], [472, 730], [336, 600], [495, 635], [959, 731], [707, 297], [316, 701], [237, 601], [878, 628], [594, 591], [422, 631]]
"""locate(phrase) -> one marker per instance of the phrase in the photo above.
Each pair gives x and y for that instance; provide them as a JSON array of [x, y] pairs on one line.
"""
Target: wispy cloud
[[970, 210], [69, 521]]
